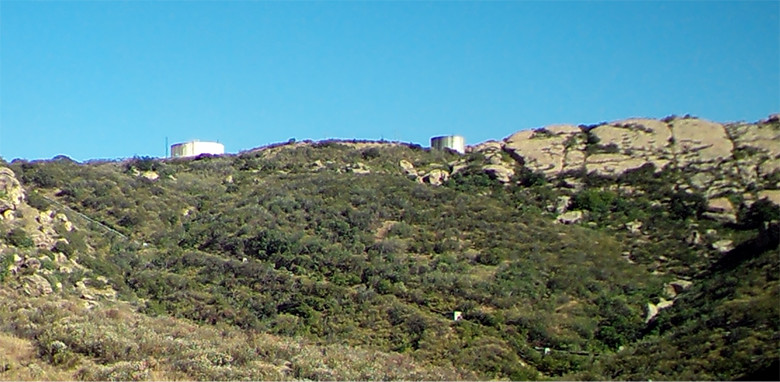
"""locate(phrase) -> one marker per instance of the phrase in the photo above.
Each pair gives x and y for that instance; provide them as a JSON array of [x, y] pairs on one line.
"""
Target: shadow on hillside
[[768, 239], [768, 373]]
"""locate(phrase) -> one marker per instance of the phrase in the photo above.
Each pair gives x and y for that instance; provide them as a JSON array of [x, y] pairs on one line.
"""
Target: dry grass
[[19, 361], [55, 338]]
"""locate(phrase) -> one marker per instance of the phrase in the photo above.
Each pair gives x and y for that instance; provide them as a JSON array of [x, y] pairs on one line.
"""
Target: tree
[[758, 213]]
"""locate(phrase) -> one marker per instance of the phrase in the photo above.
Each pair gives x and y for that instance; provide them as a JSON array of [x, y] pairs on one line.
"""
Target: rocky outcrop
[[699, 143], [629, 144], [711, 158], [11, 192], [571, 217], [653, 309], [756, 149], [723, 246], [408, 168], [499, 172], [544, 150], [436, 177], [771, 195], [36, 285], [721, 210], [674, 288]]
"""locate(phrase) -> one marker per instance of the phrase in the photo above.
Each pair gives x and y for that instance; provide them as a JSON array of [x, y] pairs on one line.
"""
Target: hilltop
[[636, 249]]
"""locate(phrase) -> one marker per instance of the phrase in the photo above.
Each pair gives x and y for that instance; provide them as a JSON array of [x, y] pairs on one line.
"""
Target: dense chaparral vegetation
[[285, 263]]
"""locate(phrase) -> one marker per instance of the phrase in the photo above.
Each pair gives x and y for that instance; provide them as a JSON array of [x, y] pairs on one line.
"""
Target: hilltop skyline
[[109, 80]]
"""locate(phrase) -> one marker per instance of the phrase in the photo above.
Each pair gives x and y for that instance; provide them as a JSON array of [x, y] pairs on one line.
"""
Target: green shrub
[[35, 200], [594, 200], [19, 238], [759, 212], [64, 247], [683, 205]]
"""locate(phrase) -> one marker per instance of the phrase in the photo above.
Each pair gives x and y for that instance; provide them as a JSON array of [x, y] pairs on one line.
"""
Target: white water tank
[[195, 148], [452, 142]]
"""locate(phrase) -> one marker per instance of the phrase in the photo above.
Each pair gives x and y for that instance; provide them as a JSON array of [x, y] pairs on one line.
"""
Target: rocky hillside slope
[[627, 250]]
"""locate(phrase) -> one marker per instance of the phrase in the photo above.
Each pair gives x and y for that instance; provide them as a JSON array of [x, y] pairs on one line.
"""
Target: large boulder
[[499, 172], [36, 285], [407, 167], [721, 209], [436, 177], [570, 217]]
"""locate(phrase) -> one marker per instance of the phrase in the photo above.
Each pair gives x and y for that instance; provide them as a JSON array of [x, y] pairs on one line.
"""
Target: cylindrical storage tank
[[195, 148], [452, 142]]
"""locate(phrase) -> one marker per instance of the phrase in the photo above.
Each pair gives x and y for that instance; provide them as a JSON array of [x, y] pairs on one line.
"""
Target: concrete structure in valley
[[195, 148], [452, 142]]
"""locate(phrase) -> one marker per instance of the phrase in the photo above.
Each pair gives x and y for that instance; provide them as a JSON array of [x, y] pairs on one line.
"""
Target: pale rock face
[[562, 204], [634, 226], [680, 285], [653, 309], [643, 137], [544, 152], [489, 146], [639, 141], [151, 175], [757, 148], [436, 177], [702, 180], [769, 166], [612, 164], [772, 195], [663, 304], [44, 238], [408, 167], [12, 194], [674, 288], [563, 129], [700, 143], [571, 217], [761, 137], [721, 209], [494, 159], [456, 168], [36, 285], [499, 172], [723, 246], [720, 205], [574, 160], [718, 217], [704, 150]]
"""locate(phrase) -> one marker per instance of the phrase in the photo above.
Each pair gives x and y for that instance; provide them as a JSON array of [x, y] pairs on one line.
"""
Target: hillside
[[638, 249]]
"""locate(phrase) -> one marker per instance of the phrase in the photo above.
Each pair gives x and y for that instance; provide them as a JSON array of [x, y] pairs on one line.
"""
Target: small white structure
[[195, 148], [457, 315], [452, 142]]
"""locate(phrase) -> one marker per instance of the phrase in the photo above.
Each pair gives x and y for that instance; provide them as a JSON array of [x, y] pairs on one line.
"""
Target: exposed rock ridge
[[712, 157]]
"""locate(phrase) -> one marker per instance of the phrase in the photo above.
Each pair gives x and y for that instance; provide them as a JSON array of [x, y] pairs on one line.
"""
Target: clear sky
[[113, 79]]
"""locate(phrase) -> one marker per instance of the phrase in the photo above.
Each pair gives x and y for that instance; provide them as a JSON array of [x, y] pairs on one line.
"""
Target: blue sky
[[95, 79]]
